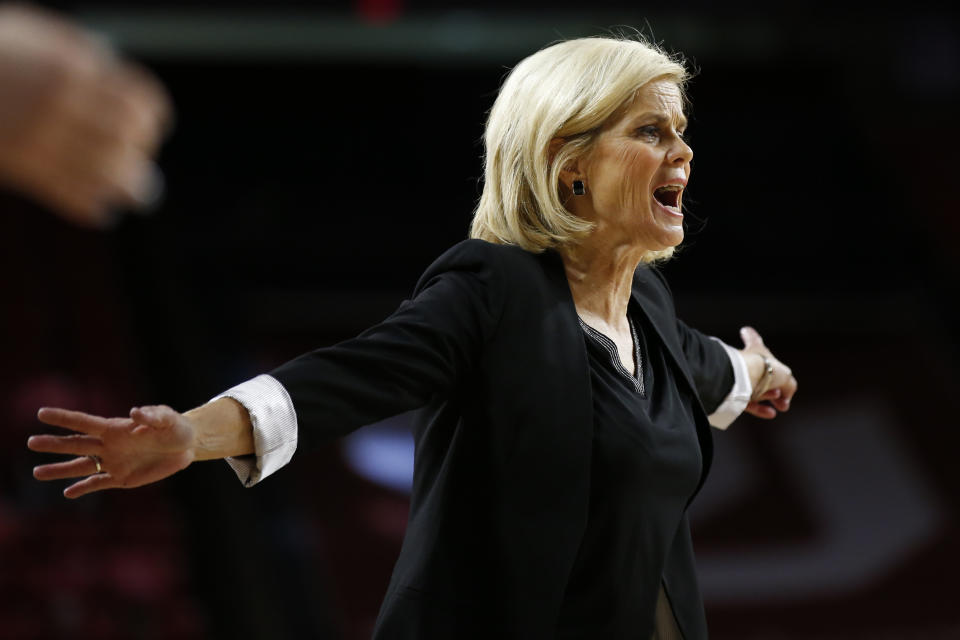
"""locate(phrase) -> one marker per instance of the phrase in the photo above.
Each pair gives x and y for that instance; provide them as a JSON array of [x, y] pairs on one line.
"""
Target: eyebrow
[[659, 118]]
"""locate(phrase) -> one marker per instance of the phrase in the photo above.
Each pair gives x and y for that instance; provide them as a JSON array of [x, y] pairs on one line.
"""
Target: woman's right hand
[[153, 443]]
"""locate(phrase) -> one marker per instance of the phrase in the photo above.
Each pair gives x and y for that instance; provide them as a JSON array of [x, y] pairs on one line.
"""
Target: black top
[[645, 466], [491, 350]]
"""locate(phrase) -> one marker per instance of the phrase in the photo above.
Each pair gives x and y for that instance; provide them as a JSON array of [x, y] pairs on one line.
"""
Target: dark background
[[325, 153]]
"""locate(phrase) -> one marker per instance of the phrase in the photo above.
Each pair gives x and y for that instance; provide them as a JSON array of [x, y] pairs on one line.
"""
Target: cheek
[[636, 167]]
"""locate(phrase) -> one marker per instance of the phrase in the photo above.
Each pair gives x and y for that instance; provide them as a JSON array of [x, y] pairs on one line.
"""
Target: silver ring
[[96, 461]]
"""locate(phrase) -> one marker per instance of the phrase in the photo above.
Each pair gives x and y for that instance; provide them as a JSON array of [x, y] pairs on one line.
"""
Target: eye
[[649, 131]]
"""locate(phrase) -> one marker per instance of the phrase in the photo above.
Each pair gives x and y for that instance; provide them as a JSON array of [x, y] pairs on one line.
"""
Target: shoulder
[[488, 262], [474, 250]]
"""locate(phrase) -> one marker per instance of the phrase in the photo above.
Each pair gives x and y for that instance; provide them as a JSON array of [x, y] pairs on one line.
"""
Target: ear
[[570, 171]]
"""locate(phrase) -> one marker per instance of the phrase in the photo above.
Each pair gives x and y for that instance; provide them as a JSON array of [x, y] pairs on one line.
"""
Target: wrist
[[222, 429], [755, 366], [760, 368]]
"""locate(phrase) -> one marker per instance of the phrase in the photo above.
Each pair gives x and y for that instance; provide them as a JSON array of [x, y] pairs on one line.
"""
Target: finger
[[110, 112], [789, 390], [116, 102], [95, 170], [750, 337], [96, 482], [40, 173], [781, 404], [70, 469], [131, 179], [149, 95], [761, 410], [133, 111], [78, 445], [74, 420], [776, 401], [77, 204], [770, 394]]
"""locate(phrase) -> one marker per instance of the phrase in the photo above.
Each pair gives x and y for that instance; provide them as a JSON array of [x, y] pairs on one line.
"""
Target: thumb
[[750, 337]]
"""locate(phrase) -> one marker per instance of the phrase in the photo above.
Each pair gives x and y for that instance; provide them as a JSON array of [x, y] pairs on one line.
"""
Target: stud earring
[[578, 188]]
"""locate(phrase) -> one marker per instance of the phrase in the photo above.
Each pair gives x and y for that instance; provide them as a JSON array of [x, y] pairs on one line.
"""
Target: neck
[[601, 280]]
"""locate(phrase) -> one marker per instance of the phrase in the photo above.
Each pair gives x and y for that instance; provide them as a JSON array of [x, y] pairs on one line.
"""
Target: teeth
[[672, 201]]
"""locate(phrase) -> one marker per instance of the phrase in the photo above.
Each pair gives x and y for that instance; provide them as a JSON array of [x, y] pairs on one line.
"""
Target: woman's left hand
[[782, 385]]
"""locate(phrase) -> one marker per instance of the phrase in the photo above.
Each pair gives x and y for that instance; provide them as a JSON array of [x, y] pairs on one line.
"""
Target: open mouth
[[669, 195]]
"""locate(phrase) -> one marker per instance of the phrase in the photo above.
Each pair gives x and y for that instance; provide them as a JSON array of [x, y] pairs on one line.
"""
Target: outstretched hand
[[783, 385], [153, 443]]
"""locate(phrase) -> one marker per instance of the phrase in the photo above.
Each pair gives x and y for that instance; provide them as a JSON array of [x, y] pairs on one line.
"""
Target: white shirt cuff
[[274, 427], [739, 397]]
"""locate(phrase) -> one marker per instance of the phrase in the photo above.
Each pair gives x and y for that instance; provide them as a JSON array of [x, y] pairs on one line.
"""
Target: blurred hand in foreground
[[153, 443], [78, 125]]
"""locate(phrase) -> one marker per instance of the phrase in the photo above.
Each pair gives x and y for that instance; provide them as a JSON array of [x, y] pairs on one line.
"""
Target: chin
[[669, 238], [661, 245]]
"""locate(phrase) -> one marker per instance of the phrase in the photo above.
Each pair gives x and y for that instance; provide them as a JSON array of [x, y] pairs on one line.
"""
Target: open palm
[[153, 443]]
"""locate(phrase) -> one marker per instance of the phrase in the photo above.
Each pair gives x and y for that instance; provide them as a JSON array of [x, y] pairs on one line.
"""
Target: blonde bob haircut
[[567, 90]]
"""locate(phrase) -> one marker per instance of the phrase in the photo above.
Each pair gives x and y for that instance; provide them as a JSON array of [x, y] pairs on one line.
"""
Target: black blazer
[[490, 349]]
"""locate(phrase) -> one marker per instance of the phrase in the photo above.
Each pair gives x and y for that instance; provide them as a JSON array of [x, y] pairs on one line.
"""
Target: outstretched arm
[[395, 366], [153, 443]]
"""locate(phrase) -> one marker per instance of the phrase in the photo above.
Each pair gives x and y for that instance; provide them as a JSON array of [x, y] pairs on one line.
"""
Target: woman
[[563, 424]]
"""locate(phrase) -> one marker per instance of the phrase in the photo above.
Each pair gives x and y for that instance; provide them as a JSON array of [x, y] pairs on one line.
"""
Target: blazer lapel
[[651, 301], [656, 303]]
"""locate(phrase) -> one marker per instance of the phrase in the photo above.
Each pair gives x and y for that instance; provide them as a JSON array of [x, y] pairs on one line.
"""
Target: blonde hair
[[566, 90]]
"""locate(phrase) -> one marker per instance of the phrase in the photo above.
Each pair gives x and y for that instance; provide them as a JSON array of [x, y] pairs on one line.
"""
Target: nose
[[680, 152]]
